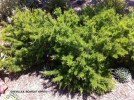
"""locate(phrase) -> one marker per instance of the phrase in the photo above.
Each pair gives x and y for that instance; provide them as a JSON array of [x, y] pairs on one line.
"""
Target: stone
[[3, 87]]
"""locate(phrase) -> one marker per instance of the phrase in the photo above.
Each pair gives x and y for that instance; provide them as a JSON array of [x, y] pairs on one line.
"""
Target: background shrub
[[48, 5], [51, 5], [118, 5], [6, 7]]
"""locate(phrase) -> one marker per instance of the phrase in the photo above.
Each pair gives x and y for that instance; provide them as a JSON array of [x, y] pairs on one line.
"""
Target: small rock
[[3, 87]]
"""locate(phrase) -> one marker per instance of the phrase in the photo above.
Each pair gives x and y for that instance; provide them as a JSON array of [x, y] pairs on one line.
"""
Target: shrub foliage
[[79, 51]]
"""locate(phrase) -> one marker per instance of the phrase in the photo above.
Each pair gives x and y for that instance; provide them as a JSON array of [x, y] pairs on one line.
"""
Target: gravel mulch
[[33, 87]]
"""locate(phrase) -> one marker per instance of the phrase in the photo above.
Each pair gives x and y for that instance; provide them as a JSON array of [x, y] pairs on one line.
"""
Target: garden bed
[[80, 52]]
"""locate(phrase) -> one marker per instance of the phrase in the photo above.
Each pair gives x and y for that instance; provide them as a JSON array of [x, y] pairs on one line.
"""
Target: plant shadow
[[55, 90], [33, 71]]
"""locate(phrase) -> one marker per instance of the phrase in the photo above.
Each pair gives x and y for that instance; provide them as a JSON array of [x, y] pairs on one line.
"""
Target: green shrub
[[102, 5], [26, 49], [79, 51]]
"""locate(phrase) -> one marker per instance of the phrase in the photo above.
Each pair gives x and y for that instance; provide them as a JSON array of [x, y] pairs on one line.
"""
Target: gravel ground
[[33, 87]]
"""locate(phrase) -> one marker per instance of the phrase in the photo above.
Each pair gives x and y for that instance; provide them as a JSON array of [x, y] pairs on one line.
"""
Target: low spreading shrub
[[25, 50], [80, 52]]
